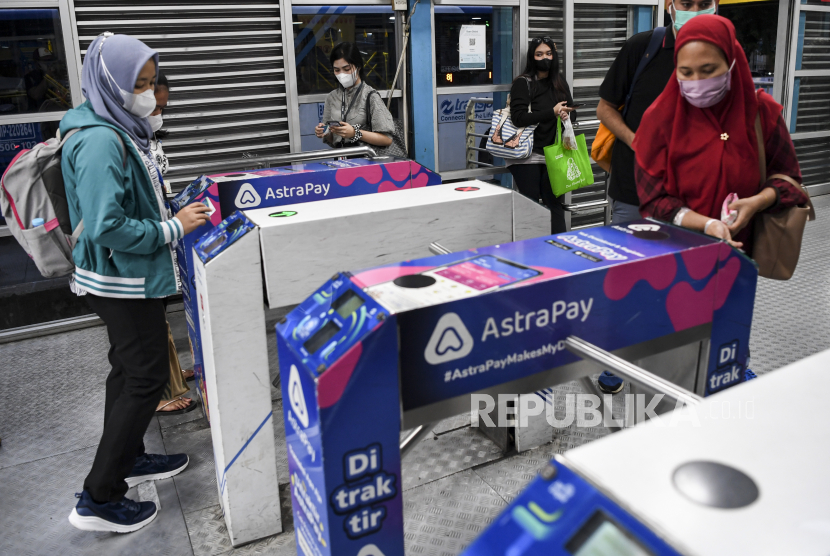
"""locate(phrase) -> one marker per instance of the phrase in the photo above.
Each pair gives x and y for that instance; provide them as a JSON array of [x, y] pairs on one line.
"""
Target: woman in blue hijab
[[125, 267]]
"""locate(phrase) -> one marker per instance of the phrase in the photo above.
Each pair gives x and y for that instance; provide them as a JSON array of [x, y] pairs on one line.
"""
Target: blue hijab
[[124, 57]]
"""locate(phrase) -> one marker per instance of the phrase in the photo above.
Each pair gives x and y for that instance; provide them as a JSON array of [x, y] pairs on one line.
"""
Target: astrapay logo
[[370, 550], [644, 227], [449, 341], [247, 197], [295, 395]]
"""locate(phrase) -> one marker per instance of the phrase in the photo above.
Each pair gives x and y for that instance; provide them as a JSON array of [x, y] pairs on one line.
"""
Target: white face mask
[[346, 79], [155, 122], [141, 105]]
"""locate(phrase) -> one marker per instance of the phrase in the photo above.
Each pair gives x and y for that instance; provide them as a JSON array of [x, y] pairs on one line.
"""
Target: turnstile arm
[[416, 435], [437, 249], [631, 372]]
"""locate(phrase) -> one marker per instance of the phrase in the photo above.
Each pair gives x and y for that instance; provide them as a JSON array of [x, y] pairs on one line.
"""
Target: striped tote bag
[[506, 140]]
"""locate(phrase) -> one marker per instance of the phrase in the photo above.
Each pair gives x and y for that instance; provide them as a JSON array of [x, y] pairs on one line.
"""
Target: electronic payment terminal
[[459, 280], [394, 347], [743, 473]]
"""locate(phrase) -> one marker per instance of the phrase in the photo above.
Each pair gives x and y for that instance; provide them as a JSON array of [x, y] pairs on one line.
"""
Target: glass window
[[318, 29], [473, 45], [756, 26], [33, 74]]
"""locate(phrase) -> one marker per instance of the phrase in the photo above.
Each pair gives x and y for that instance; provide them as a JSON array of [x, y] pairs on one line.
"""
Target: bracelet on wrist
[[706, 226]]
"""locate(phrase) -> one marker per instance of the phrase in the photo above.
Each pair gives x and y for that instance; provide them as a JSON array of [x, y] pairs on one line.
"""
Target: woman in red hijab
[[697, 142]]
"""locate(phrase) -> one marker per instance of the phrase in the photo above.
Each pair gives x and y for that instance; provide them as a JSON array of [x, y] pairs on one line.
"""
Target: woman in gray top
[[348, 105]]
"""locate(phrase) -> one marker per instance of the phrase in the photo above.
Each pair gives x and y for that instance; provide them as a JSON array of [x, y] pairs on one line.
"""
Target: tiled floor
[[455, 482]]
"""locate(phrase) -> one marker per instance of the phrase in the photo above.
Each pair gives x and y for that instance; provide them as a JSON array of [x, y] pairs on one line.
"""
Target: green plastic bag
[[568, 170]]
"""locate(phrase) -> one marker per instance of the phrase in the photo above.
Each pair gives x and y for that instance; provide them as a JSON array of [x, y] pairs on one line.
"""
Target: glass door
[[317, 29], [474, 59]]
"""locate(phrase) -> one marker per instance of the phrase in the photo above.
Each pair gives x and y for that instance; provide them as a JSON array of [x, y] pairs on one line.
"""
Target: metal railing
[[470, 136], [476, 168], [257, 163], [589, 205]]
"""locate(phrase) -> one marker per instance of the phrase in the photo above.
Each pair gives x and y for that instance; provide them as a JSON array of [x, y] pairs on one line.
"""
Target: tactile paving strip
[[436, 457], [443, 517]]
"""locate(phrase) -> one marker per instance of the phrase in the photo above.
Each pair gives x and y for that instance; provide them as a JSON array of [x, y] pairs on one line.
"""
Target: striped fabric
[[108, 286], [172, 229], [510, 142]]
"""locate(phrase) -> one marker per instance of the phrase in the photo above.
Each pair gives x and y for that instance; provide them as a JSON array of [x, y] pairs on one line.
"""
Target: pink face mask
[[704, 93]]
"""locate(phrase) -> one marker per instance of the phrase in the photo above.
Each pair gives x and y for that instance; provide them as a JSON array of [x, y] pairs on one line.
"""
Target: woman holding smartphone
[[539, 96], [354, 112]]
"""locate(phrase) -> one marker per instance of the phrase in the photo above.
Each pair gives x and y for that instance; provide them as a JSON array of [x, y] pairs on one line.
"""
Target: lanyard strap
[[343, 104]]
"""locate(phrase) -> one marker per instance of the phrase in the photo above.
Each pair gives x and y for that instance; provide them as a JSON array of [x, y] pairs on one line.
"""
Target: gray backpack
[[32, 188]]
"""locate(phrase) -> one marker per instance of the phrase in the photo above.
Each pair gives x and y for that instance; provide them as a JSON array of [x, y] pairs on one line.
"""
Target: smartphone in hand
[[575, 105], [329, 125]]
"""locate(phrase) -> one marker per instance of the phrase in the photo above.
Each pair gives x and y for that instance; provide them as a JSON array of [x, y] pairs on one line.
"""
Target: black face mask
[[544, 64]]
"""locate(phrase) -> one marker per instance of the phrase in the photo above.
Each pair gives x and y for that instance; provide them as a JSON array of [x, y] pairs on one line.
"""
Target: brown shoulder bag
[[777, 237]]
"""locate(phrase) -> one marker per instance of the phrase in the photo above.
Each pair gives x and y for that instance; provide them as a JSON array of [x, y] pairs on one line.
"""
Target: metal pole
[[415, 436], [437, 249], [239, 164], [591, 388], [638, 375]]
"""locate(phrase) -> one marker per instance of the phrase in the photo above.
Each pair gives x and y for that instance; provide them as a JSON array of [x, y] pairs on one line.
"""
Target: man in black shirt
[[651, 82], [625, 205]]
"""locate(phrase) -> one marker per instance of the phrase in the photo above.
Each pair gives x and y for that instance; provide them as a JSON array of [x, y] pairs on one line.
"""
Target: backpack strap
[[654, 45], [76, 233]]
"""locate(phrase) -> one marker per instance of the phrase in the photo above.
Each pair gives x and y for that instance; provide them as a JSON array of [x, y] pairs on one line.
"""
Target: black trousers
[[532, 181], [137, 330]]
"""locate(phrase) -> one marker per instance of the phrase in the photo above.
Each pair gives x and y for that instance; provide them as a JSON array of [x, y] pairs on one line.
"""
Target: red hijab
[[681, 144]]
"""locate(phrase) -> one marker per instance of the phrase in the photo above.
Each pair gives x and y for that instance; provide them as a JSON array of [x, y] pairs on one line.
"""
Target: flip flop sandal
[[190, 378], [188, 409]]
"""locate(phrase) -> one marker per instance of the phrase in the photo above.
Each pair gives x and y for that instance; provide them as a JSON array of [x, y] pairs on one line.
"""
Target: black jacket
[[542, 98]]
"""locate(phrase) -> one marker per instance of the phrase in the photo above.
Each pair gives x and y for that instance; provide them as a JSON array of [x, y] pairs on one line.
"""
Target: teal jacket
[[124, 250]]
